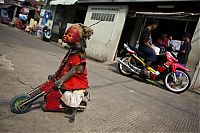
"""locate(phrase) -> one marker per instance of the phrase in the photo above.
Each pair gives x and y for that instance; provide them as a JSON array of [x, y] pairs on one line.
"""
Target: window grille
[[105, 8], [103, 17]]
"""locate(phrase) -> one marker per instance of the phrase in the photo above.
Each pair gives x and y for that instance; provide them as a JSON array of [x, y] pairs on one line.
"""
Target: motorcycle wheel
[[124, 70], [18, 100], [181, 85]]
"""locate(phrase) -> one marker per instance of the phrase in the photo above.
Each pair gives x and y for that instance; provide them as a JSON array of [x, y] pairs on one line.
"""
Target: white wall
[[194, 57], [196, 78], [103, 44]]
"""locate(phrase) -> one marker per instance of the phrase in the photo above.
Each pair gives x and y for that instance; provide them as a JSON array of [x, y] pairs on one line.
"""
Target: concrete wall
[[196, 79], [103, 44], [194, 57]]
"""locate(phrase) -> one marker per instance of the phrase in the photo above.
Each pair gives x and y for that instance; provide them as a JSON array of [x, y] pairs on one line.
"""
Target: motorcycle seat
[[139, 53]]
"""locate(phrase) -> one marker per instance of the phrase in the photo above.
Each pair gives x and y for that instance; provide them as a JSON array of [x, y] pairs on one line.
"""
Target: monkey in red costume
[[71, 78]]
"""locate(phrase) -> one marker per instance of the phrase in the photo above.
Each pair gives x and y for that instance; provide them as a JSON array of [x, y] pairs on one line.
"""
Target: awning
[[173, 15], [5, 6], [167, 13], [63, 2]]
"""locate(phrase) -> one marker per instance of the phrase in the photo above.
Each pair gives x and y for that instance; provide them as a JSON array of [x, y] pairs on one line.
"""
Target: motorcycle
[[174, 75], [46, 36], [22, 103]]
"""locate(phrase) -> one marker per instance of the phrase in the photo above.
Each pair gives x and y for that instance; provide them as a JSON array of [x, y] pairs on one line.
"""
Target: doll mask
[[73, 34]]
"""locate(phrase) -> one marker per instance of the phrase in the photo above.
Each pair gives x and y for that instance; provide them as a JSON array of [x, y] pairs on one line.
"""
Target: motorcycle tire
[[16, 101], [175, 87], [45, 39], [120, 67]]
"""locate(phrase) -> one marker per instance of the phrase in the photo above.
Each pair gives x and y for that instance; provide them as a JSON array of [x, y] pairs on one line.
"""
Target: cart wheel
[[17, 101]]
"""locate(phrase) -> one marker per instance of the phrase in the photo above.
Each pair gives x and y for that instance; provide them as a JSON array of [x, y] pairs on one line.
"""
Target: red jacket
[[77, 81], [161, 42]]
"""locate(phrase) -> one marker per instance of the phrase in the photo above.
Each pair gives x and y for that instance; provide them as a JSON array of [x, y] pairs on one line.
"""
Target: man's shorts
[[149, 54]]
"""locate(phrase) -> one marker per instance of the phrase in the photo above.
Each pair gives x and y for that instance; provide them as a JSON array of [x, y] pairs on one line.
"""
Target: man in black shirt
[[145, 43], [184, 49]]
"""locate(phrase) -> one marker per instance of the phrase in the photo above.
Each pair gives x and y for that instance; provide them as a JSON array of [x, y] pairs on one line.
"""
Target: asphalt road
[[118, 103]]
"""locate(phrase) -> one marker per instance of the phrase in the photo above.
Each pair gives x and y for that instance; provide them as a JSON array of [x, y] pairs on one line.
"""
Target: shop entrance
[[173, 26]]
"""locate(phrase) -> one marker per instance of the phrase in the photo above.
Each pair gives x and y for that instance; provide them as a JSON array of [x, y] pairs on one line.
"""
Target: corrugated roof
[[63, 2], [150, 0], [5, 6], [103, 1]]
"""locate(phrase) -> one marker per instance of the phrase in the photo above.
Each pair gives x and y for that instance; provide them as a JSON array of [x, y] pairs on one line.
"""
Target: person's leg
[[148, 63], [151, 57], [70, 113], [72, 99]]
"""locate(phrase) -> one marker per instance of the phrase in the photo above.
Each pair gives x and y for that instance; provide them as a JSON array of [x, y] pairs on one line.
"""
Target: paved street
[[118, 103]]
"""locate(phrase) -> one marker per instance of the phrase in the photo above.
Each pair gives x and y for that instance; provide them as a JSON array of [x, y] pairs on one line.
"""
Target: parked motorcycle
[[174, 75], [46, 36]]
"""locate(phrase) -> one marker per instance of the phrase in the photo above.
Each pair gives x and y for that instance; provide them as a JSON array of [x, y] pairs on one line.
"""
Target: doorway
[[173, 26]]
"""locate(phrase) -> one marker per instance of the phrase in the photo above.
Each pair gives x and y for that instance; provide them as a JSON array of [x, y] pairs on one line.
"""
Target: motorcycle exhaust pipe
[[132, 68]]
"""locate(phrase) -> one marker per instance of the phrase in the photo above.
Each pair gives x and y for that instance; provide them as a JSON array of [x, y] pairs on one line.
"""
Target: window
[[104, 13]]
